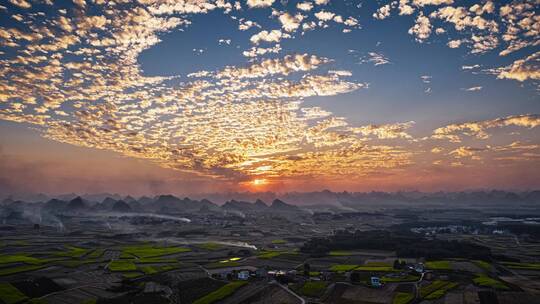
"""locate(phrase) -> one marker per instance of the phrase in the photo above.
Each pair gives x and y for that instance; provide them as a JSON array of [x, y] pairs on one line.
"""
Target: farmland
[[229, 262]]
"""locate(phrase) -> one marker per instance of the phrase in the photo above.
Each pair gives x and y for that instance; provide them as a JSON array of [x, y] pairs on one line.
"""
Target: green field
[[149, 251], [76, 263], [73, 252], [11, 295], [222, 265], [483, 264], [436, 289], [402, 298], [156, 261], [527, 266], [149, 269], [96, 253], [277, 242], [132, 275], [18, 269], [313, 289], [439, 265], [378, 264], [340, 253], [485, 281], [376, 268], [221, 293], [122, 265], [269, 254], [231, 260], [407, 278], [343, 267], [210, 246], [20, 258], [157, 269]]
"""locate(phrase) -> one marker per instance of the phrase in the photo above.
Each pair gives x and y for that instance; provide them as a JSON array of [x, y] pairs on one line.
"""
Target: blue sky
[[347, 95]]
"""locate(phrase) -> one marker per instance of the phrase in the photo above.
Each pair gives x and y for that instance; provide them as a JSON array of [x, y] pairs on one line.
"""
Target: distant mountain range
[[165, 204], [325, 197], [295, 204]]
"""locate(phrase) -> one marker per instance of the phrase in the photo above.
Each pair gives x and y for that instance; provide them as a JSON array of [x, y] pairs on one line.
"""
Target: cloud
[[388, 131], [466, 152], [432, 2], [405, 8], [284, 66], [426, 78], [224, 41], [324, 15], [376, 58], [259, 3], [304, 6], [340, 73], [322, 2], [481, 28], [265, 36], [259, 51], [522, 69], [289, 22], [470, 67], [21, 3], [247, 24], [479, 129], [473, 89], [87, 89], [454, 44], [382, 13], [421, 29]]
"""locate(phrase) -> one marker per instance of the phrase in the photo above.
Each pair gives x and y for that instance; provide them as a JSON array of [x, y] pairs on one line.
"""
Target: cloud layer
[[75, 77]]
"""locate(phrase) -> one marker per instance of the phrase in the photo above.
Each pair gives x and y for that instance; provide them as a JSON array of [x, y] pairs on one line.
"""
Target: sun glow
[[259, 182]]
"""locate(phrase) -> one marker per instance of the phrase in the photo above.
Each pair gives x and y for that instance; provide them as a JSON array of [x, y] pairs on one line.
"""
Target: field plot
[[20, 269], [471, 266], [84, 294], [402, 298], [370, 295], [192, 290], [400, 278], [524, 266], [436, 289], [149, 251], [73, 252], [313, 289], [122, 265], [210, 246], [343, 267], [485, 281], [11, 295], [221, 293], [269, 294], [439, 265]]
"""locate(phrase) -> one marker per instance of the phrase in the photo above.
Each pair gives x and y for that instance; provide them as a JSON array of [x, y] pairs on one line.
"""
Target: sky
[[199, 96]]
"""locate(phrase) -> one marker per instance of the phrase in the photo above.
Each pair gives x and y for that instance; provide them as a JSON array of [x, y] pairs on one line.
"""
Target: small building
[[375, 282], [243, 275], [261, 272], [419, 268]]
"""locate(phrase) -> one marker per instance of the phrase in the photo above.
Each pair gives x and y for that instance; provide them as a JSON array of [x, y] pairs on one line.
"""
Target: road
[[302, 301]]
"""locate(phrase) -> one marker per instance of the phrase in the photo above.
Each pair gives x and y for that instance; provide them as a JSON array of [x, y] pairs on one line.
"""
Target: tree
[[307, 269], [355, 276]]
